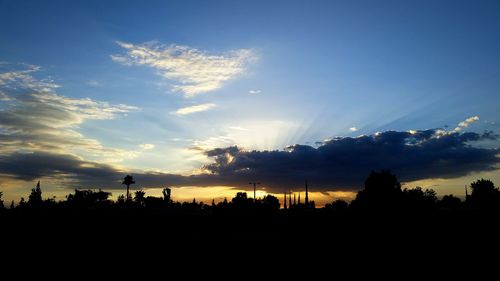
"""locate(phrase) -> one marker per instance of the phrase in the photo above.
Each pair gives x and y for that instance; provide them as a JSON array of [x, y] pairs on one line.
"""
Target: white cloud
[[94, 83], [85, 108], [193, 70], [254, 91], [464, 124], [194, 108], [37, 119], [147, 146], [353, 129], [23, 79]]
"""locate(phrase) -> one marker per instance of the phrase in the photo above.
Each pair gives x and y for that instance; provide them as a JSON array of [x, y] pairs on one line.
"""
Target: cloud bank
[[194, 71], [338, 164]]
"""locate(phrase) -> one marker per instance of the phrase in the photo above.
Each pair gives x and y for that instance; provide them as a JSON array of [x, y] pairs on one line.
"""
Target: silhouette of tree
[[418, 199], [128, 180], [167, 192], [241, 201], [270, 202], [139, 198], [120, 200], [152, 202], [88, 199], [337, 205], [35, 197], [484, 194], [1, 201], [12, 206], [22, 203], [382, 191], [449, 202]]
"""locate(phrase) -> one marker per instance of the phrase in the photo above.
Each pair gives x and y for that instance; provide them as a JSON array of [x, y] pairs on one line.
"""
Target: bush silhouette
[[484, 194], [382, 191]]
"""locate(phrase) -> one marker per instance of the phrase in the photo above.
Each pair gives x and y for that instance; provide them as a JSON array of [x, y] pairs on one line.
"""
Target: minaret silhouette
[[299, 198], [294, 202], [290, 199], [307, 195], [284, 200]]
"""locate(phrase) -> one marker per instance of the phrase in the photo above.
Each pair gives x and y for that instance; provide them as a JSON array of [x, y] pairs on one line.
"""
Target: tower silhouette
[[254, 190]]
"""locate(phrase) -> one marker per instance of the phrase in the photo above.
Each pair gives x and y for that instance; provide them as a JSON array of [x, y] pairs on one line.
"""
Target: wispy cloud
[[37, 119], [23, 79], [353, 129], [194, 108], [193, 70], [254, 91]]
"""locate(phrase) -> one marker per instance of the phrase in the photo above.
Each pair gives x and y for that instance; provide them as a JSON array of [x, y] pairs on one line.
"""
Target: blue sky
[[278, 72]]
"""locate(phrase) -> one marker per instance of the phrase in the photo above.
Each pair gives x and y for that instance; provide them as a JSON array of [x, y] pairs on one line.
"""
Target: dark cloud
[[31, 166], [78, 173], [345, 162], [341, 163]]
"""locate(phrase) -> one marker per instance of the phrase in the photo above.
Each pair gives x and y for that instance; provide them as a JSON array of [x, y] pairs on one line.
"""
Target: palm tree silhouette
[[128, 180]]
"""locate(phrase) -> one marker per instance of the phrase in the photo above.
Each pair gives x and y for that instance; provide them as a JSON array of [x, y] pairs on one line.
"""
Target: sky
[[206, 96]]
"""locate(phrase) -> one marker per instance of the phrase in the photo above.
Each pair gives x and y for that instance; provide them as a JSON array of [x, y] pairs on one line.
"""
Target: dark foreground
[[101, 233]]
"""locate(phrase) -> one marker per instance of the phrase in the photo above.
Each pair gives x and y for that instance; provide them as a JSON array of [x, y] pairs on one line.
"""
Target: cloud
[[344, 162], [36, 118], [35, 165], [73, 172], [94, 83], [254, 91], [464, 124], [194, 108], [353, 129], [23, 79], [147, 146], [339, 164], [194, 71]]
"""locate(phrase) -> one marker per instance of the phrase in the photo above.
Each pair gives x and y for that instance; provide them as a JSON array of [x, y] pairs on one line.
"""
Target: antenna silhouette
[[254, 190]]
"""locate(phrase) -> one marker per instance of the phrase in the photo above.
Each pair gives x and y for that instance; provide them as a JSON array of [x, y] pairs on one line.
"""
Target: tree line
[[382, 191]]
